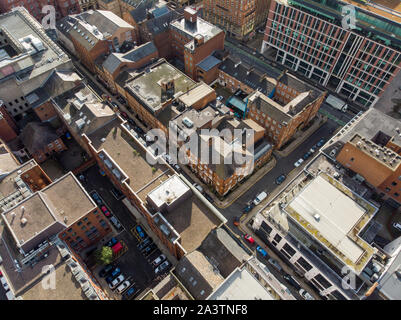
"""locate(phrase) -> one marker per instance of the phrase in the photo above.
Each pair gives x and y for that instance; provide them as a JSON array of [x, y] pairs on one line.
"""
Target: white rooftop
[[241, 285], [169, 191], [332, 213]]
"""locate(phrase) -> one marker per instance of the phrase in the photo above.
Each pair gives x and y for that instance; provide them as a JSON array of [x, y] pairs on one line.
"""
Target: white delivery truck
[[336, 103]]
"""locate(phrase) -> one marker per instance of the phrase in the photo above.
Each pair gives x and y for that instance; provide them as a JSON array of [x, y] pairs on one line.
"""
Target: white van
[[259, 198]]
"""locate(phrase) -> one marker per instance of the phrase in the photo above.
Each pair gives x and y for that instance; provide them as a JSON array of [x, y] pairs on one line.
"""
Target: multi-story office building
[[238, 18], [319, 225], [314, 38], [371, 147], [34, 7], [28, 57]]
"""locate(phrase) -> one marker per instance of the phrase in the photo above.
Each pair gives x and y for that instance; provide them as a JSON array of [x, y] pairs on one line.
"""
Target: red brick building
[[8, 128]]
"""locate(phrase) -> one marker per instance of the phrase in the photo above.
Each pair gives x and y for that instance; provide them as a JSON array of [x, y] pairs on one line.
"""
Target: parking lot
[[133, 264]]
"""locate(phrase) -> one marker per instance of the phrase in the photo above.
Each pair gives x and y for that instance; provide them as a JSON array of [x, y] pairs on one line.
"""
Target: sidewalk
[[319, 121], [239, 189]]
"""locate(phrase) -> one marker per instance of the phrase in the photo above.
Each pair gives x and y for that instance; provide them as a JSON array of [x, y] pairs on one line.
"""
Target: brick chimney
[[190, 15]]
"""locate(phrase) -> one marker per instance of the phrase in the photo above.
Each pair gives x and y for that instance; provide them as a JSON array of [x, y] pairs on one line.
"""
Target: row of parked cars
[[117, 281], [6, 287], [103, 207], [311, 151], [148, 247]]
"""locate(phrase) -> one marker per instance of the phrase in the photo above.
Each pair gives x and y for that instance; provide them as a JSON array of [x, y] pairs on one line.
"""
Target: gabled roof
[[114, 60]]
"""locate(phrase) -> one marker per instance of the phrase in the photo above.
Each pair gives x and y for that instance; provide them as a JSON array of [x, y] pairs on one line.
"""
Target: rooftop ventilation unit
[[317, 217], [24, 221]]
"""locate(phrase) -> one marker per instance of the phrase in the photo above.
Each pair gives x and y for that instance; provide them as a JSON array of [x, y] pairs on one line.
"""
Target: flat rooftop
[[147, 86], [38, 217], [201, 27], [19, 24], [69, 199], [390, 9], [169, 191], [193, 221], [196, 94], [366, 125], [334, 216], [241, 285], [67, 288], [130, 156]]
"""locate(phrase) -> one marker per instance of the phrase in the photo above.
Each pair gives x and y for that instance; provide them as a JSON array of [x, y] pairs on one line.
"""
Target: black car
[[280, 179], [131, 122], [292, 281], [209, 198], [248, 207], [144, 243], [177, 167], [149, 249], [105, 270]]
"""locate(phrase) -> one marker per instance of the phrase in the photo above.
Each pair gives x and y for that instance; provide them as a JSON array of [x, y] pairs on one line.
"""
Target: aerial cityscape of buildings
[[206, 150]]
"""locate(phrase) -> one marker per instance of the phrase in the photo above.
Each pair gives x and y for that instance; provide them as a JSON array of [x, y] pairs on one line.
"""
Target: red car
[[248, 238], [124, 115], [105, 211]]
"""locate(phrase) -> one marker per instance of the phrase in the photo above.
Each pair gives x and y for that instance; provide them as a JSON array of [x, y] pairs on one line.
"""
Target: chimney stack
[[190, 16]]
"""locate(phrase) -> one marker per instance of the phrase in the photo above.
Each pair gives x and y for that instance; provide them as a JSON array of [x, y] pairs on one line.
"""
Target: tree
[[104, 255]]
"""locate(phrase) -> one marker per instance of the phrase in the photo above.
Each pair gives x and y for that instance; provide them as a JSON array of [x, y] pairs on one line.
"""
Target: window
[[396, 194], [290, 250], [277, 237], [304, 264], [352, 159], [394, 183]]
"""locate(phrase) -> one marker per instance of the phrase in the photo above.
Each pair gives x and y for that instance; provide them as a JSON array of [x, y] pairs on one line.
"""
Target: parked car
[[122, 287], [321, 142], [275, 264], [162, 267], [124, 115], [149, 249], [158, 260], [115, 222], [307, 155], [130, 293], [97, 199], [248, 238], [313, 149], [116, 193], [305, 294], [262, 251], [116, 281], [298, 163], [105, 270], [177, 167], [236, 221], [4, 283], [115, 105], [115, 273], [259, 198], [219, 98], [292, 281], [248, 207], [397, 226], [198, 187], [105, 211], [112, 242], [144, 244], [280, 179], [1, 260], [208, 198], [140, 232]]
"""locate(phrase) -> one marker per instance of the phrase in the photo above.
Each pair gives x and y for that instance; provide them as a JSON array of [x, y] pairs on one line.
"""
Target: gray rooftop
[[114, 60], [146, 87], [208, 63], [201, 27], [28, 60]]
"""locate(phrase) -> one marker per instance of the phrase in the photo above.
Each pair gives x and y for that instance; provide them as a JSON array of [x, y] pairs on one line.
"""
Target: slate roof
[[36, 135], [139, 13], [162, 23], [115, 59], [208, 63]]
